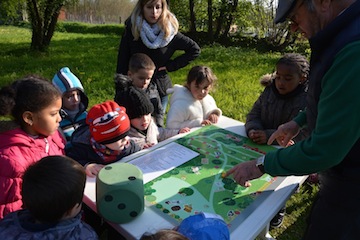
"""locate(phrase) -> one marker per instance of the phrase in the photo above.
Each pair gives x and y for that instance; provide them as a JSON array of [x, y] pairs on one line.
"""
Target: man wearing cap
[[104, 139], [332, 116]]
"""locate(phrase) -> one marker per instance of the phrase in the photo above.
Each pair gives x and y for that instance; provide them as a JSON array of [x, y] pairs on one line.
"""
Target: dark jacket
[[342, 31], [332, 103], [154, 96], [83, 152], [22, 225], [122, 84], [272, 109], [161, 56]]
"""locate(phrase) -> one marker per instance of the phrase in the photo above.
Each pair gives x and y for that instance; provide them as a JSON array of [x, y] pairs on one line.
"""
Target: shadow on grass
[[297, 211]]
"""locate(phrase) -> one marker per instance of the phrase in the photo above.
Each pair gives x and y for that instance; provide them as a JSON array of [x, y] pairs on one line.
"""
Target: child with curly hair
[[34, 104]]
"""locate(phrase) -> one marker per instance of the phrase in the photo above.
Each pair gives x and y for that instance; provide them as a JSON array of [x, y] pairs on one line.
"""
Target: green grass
[[92, 57]]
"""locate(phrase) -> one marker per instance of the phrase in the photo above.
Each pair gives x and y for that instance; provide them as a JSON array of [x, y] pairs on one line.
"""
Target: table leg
[[265, 234]]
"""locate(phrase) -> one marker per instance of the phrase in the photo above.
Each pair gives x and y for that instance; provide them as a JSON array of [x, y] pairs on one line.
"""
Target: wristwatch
[[260, 163]]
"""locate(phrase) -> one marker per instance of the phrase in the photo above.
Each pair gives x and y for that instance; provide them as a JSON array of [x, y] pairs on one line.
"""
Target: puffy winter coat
[[22, 225], [186, 111], [18, 150]]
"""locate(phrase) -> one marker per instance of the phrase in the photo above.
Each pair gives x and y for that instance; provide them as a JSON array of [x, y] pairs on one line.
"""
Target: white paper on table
[[162, 160]]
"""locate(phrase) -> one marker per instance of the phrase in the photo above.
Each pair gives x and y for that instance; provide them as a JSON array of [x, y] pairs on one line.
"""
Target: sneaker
[[278, 219]]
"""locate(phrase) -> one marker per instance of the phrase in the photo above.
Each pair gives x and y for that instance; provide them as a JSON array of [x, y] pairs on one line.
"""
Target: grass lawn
[[92, 57]]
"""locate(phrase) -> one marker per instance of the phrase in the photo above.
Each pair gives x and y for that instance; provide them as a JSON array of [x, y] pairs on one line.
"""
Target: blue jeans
[[164, 102]]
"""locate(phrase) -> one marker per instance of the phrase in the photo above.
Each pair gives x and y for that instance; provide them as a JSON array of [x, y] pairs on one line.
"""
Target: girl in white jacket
[[191, 105]]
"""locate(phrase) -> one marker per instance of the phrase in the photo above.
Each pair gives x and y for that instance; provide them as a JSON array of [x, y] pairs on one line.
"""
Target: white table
[[252, 223]]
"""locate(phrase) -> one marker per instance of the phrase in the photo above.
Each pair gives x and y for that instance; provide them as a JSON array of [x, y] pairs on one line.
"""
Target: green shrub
[[87, 28]]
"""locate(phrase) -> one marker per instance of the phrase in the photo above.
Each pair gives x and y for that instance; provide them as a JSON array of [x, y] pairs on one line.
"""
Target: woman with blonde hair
[[152, 29]]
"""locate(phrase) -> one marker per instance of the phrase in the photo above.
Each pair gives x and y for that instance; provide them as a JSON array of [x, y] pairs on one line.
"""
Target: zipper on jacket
[[46, 145]]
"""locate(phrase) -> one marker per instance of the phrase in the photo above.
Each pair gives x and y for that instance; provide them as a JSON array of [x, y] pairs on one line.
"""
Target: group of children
[[51, 121]]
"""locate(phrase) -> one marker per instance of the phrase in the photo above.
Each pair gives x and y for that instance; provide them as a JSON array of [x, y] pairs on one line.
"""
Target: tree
[[192, 16], [43, 15], [11, 11], [210, 20], [228, 9]]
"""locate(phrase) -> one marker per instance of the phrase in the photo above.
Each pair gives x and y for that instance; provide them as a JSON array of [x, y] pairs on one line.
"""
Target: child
[[164, 234], [283, 98], [191, 105], [74, 101], [143, 129], [104, 139], [200, 226], [34, 104], [154, 30], [141, 69], [52, 193]]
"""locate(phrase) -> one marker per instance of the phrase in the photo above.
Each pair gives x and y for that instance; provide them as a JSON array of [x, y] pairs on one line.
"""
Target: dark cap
[[283, 10], [136, 102]]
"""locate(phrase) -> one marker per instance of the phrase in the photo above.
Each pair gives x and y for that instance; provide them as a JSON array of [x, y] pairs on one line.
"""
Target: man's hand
[[244, 172], [284, 134]]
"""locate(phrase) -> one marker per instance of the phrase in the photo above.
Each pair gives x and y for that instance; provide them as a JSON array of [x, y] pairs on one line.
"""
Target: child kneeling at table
[[52, 193], [200, 226]]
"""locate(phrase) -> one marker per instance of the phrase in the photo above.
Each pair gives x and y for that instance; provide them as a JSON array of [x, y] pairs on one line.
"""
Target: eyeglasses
[[292, 16]]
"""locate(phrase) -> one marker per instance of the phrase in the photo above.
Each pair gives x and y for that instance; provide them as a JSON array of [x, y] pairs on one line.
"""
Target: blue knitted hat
[[207, 226], [65, 80]]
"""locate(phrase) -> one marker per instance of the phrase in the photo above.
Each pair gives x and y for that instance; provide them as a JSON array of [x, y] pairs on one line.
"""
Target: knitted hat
[[204, 226], [64, 80], [136, 102], [108, 122]]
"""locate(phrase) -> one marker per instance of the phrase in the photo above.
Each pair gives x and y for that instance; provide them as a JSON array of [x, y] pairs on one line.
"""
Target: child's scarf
[[105, 153], [152, 35]]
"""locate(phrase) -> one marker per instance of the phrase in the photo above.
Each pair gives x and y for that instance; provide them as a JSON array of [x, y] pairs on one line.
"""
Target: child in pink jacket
[[34, 104]]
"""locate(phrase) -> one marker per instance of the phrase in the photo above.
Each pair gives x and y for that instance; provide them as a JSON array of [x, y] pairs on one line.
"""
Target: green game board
[[197, 185]]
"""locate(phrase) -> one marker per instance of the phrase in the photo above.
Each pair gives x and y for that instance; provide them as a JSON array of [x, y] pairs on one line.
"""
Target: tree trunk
[[43, 20], [210, 21], [36, 25], [192, 17], [220, 19], [230, 17]]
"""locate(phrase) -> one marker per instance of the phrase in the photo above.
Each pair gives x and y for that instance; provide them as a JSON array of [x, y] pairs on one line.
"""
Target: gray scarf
[[152, 36]]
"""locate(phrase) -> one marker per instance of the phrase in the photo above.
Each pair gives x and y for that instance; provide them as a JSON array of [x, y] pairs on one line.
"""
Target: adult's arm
[[124, 50], [337, 125], [191, 51]]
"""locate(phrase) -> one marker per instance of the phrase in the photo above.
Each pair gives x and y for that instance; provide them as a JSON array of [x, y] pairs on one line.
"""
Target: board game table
[[249, 223]]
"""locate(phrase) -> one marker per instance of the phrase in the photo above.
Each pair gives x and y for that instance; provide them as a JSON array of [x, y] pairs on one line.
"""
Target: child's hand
[[258, 136], [184, 130], [206, 122], [213, 118], [93, 169], [147, 145], [162, 68]]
